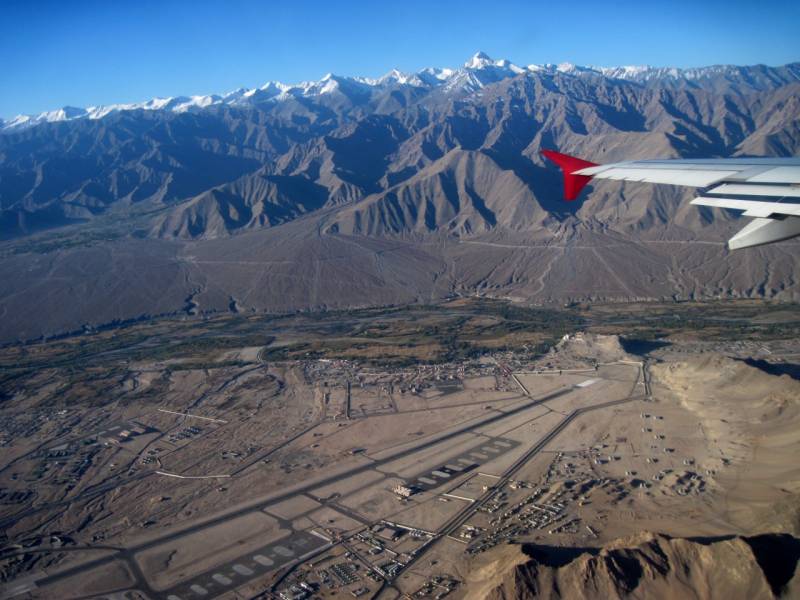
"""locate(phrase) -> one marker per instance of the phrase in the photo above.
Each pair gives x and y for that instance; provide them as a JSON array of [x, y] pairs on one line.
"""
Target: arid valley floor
[[422, 451]]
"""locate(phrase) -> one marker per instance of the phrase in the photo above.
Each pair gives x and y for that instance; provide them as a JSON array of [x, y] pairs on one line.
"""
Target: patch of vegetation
[[391, 336]]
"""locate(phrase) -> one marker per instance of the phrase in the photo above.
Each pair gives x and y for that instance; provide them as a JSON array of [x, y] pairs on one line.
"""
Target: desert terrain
[[471, 448]]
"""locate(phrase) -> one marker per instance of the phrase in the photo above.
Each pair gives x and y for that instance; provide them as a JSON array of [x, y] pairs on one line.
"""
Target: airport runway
[[452, 526], [127, 555]]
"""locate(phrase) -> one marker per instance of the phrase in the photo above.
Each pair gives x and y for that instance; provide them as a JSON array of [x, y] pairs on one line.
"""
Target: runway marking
[[242, 570]]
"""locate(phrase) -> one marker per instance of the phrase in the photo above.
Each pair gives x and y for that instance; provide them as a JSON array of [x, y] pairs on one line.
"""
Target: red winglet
[[573, 184]]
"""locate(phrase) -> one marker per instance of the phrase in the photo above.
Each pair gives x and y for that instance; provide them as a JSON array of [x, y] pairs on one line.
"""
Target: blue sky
[[84, 53]]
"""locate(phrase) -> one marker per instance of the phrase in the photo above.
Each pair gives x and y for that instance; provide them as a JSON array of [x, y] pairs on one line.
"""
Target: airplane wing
[[767, 189]]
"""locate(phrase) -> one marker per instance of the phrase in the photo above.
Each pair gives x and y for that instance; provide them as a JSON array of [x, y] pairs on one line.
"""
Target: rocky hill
[[646, 566]]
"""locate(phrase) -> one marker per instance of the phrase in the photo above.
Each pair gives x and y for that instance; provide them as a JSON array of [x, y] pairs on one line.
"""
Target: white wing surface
[[767, 189]]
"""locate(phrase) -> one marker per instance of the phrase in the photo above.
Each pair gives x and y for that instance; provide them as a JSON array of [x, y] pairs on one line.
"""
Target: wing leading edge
[[767, 189]]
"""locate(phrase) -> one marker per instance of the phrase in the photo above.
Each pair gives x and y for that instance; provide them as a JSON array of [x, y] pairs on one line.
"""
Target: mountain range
[[479, 71], [409, 187]]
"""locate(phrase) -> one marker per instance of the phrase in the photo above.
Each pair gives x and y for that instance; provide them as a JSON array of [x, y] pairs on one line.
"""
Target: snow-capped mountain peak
[[479, 61], [479, 71], [396, 76]]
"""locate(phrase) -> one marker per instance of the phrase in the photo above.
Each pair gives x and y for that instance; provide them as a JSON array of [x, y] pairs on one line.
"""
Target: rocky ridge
[[647, 566]]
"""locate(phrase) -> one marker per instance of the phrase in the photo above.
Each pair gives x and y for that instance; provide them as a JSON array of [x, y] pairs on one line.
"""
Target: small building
[[387, 533], [295, 592], [405, 490]]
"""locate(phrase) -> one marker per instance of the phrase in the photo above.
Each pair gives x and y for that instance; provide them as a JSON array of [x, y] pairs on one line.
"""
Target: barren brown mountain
[[647, 566], [352, 192]]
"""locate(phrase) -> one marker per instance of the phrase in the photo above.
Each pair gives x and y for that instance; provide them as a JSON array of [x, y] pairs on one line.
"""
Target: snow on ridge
[[479, 61], [480, 70]]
